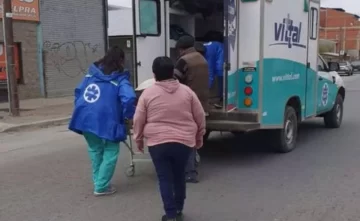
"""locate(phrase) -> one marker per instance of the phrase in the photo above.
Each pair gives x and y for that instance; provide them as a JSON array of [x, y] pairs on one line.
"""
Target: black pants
[[170, 161], [191, 171]]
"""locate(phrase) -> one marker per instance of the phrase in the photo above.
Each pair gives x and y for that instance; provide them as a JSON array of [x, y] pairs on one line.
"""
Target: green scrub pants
[[103, 155]]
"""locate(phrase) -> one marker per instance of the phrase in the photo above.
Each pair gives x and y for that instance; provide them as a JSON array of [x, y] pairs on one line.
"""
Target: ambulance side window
[[314, 17], [321, 66], [149, 17]]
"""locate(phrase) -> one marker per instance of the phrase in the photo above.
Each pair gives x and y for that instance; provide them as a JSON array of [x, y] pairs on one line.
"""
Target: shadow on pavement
[[246, 147]]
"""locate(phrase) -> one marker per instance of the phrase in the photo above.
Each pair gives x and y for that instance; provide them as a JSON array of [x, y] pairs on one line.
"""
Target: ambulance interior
[[201, 19]]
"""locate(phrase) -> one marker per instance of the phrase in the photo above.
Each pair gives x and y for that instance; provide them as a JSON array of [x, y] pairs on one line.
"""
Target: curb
[[37, 124]]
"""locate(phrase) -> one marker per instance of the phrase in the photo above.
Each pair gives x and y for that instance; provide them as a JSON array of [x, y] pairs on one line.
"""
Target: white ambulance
[[274, 77]]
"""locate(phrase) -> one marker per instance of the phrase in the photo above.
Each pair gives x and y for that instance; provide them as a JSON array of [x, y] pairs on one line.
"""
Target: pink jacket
[[169, 112]]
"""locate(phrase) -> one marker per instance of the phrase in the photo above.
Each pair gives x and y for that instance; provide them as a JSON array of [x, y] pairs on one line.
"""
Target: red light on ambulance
[[248, 91]]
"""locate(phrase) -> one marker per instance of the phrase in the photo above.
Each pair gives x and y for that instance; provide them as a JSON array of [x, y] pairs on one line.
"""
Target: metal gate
[[74, 36]]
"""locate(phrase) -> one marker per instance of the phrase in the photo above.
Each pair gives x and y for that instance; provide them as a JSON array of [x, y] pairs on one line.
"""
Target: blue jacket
[[215, 58], [102, 104]]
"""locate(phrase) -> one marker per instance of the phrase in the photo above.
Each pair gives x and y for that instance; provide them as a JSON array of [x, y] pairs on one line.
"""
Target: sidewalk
[[40, 112]]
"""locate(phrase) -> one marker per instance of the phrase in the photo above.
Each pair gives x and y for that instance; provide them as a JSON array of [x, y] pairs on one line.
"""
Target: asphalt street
[[45, 176]]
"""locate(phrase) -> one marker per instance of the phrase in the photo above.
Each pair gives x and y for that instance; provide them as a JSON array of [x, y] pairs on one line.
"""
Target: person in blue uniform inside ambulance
[[104, 101], [214, 55]]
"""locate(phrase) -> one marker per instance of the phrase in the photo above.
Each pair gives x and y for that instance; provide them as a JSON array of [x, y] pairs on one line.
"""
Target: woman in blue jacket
[[104, 101]]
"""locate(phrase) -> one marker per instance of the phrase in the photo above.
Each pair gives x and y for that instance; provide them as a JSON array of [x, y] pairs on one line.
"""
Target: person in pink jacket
[[170, 118]]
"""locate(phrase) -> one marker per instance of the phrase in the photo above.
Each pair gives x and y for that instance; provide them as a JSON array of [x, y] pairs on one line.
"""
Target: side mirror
[[334, 66]]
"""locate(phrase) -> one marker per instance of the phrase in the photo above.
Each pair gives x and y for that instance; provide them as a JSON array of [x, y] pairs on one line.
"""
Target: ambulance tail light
[[248, 91], [247, 102]]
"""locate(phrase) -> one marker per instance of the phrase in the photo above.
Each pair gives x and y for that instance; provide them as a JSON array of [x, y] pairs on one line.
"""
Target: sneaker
[[111, 190]]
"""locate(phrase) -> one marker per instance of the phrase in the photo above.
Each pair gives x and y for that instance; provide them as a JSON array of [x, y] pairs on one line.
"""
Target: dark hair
[[112, 61], [199, 47], [163, 68], [185, 42]]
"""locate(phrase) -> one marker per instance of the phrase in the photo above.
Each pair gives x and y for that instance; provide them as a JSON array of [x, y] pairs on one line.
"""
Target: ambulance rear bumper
[[234, 121]]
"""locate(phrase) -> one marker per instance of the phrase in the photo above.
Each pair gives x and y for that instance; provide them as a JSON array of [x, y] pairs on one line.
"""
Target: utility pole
[[10, 65]]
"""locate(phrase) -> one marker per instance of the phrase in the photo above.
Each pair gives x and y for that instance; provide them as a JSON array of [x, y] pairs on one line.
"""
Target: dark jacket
[[192, 70]]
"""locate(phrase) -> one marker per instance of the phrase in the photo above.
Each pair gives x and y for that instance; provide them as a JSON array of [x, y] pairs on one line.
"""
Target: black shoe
[[192, 179], [179, 216], [164, 218]]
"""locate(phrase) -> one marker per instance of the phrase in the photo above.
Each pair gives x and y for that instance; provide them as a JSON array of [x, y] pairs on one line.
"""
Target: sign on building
[[3, 62], [25, 10]]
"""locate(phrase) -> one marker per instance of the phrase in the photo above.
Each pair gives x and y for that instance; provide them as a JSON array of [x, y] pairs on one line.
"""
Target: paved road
[[44, 176]]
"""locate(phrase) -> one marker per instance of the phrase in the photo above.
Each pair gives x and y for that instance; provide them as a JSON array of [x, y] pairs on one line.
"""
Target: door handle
[[334, 79]]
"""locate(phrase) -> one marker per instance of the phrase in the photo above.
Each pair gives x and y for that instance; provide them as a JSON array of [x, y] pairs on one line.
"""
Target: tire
[[285, 139], [333, 118]]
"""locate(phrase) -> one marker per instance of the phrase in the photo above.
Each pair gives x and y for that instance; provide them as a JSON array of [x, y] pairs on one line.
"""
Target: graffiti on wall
[[71, 58]]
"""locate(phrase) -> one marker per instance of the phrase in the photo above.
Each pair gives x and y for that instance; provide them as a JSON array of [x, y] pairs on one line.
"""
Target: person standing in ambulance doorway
[[214, 55], [192, 70], [104, 102]]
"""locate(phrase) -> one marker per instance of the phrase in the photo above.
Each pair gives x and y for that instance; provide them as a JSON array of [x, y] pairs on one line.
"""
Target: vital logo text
[[288, 33]]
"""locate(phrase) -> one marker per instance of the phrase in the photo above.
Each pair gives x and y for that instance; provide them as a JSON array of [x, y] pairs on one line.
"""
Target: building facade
[[341, 27], [57, 41], [25, 26]]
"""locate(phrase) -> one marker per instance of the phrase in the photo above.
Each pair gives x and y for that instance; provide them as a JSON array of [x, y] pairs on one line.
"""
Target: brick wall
[[25, 33], [341, 27]]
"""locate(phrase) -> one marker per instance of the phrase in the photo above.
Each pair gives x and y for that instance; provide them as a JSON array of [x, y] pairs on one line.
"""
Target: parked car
[[356, 65], [345, 68]]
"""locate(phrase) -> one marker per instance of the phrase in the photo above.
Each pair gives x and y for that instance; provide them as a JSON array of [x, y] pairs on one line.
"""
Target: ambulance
[[274, 77]]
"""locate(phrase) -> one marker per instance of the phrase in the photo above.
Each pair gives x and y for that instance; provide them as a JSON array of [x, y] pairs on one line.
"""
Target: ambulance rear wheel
[[285, 139]]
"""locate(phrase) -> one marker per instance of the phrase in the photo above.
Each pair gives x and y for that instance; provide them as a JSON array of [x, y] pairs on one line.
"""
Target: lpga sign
[[25, 10]]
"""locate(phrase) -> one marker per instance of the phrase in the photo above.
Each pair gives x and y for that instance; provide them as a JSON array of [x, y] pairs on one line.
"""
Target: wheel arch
[[341, 91], [295, 102]]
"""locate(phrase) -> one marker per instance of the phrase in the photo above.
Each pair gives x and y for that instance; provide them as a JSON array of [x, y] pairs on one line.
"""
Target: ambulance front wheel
[[285, 139], [333, 118]]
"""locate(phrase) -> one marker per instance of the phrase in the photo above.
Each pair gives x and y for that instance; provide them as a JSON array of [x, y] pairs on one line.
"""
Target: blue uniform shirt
[[215, 58], [102, 104]]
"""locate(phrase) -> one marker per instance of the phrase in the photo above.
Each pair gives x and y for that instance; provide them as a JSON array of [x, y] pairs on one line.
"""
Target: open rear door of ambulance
[[230, 55], [149, 36]]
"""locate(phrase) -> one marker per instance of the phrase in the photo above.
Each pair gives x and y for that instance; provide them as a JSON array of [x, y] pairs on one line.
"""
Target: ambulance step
[[220, 115]]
